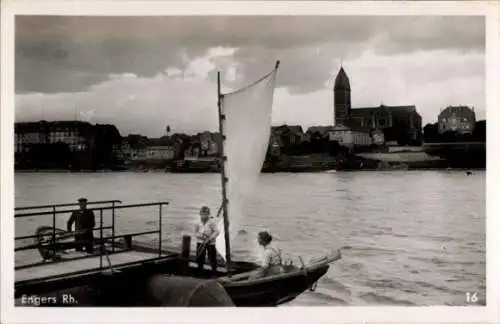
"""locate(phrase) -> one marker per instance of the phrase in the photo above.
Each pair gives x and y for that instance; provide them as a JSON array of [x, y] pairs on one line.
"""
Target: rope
[[109, 261], [254, 83], [103, 249]]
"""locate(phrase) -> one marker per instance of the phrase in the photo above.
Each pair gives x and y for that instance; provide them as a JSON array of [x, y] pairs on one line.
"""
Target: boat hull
[[276, 291]]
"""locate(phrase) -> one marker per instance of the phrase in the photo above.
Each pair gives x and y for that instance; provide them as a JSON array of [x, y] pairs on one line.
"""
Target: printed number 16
[[471, 298]]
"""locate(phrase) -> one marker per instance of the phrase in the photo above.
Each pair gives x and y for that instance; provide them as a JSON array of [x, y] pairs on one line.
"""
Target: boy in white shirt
[[207, 233]]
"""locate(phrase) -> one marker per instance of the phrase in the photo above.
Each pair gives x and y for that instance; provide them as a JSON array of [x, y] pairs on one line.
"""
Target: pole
[[54, 250], [223, 158], [160, 230], [113, 227], [186, 252], [102, 247]]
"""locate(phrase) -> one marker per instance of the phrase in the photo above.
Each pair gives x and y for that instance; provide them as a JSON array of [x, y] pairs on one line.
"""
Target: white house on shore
[[150, 149], [153, 153], [352, 137], [166, 152]]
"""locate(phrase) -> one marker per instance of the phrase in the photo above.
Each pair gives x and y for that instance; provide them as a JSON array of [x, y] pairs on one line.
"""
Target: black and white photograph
[[246, 160]]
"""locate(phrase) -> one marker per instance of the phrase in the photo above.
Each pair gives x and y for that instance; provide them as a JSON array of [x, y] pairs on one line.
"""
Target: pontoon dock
[[114, 253]]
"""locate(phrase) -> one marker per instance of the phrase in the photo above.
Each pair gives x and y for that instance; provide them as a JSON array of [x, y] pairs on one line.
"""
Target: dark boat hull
[[276, 291]]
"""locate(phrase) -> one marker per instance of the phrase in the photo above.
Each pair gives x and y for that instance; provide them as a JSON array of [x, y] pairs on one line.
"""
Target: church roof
[[342, 81], [355, 112], [364, 111], [403, 109]]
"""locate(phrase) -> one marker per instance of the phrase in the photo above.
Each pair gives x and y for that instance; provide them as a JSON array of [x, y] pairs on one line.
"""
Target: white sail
[[247, 127]]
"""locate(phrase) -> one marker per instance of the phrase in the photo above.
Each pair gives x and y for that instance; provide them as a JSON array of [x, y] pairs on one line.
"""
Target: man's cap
[[205, 209], [82, 199]]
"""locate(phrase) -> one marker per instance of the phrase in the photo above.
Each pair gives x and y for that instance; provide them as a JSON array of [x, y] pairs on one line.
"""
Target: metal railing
[[111, 206], [98, 202], [54, 211]]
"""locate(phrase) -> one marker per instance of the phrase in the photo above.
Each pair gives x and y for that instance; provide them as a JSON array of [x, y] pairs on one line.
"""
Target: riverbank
[[392, 158]]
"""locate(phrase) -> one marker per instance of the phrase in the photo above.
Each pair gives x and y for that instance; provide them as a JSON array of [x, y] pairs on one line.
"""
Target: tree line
[[432, 134]]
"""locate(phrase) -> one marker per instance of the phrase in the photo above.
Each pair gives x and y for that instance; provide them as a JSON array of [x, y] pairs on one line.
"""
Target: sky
[[143, 73]]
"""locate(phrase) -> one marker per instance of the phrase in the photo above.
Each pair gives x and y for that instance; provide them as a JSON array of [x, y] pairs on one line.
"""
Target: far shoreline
[[263, 172]]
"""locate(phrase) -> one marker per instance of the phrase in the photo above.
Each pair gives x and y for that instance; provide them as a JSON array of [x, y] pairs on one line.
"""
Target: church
[[399, 124]]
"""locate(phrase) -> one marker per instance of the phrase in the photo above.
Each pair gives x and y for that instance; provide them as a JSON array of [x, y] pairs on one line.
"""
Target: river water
[[407, 237]]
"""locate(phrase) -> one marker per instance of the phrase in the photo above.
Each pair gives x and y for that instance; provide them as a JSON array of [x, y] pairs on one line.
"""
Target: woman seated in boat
[[206, 232], [272, 262]]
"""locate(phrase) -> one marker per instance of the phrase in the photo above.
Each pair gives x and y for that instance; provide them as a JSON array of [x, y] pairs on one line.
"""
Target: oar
[[220, 210], [202, 247]]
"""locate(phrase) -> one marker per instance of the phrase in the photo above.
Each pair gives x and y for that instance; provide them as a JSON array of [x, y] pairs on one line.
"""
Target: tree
[[318, 143], [53, 155], [431, 133], [450, 136], [105, 138], [479, 133], [333, 148], [390, 134]]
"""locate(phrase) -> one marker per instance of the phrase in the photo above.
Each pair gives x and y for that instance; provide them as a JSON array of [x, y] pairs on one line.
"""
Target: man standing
[[206, 234], [84, 220]]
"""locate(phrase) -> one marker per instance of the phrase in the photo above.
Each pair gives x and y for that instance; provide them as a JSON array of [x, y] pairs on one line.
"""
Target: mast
[[224, 179]]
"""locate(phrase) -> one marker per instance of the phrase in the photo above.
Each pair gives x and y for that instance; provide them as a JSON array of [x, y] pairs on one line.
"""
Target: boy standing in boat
[[206, 232], [84, 220]]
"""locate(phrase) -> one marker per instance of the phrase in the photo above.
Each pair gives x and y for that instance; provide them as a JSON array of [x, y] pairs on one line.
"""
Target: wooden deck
[[50, 269], [72, 264]]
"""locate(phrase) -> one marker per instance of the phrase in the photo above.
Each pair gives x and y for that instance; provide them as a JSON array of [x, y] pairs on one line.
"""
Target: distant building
[[322, 131], [193, 151], [125, 150], [402, 123], [205, 144], [289, 135], [158, 149], [350, 137], [163, 153], [209, 143], [77, 135], [461, 119], [138, 154], [135, 147], [274, 145]]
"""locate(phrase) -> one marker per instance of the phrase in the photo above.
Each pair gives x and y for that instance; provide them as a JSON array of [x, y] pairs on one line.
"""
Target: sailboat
[[245, 125]]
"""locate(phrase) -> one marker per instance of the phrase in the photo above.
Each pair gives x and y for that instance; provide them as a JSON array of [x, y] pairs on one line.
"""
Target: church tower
[[341, 98]]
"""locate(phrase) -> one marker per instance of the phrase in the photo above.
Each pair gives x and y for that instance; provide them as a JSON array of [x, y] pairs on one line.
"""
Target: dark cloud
[[303, 69], [60, 54]]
